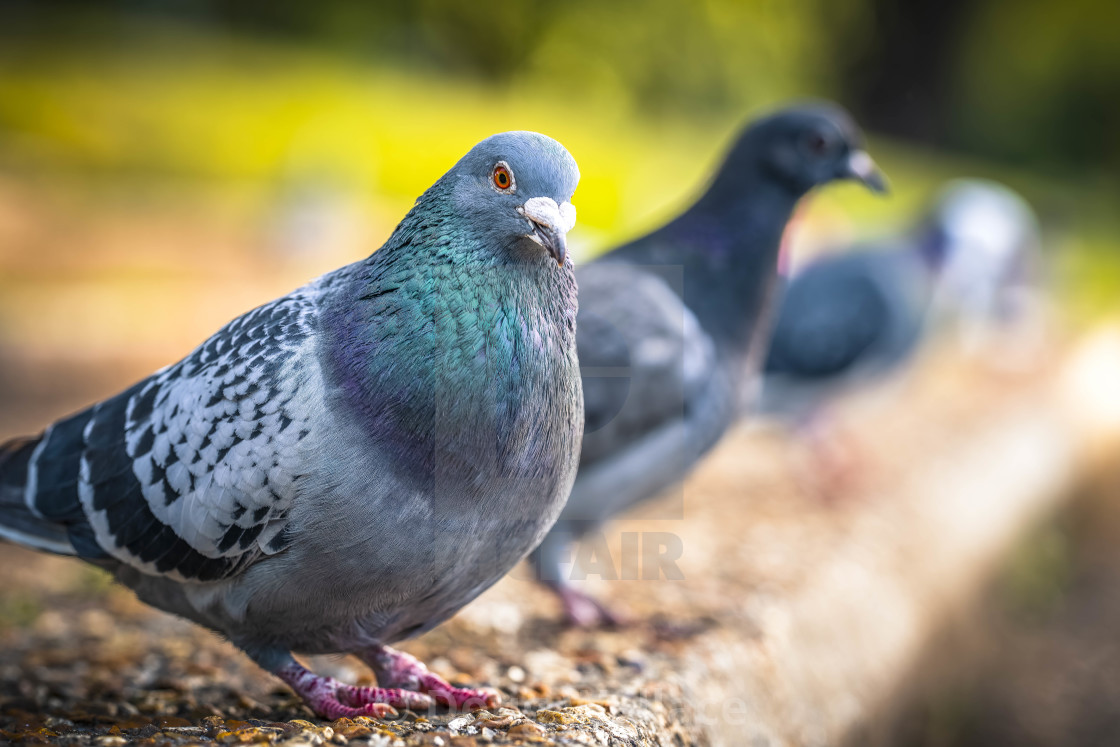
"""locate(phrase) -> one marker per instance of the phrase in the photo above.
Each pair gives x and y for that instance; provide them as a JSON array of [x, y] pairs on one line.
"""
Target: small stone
[[248, 703], [458, 724], [214, 723], [59, 724], [442, 666], [494, 723], [526, 729], [305, 737], [355, 729], [555, 717], [516, 673]]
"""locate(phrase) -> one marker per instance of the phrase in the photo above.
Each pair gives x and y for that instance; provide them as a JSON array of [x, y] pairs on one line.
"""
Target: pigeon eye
[[502, 177], [819, 145]]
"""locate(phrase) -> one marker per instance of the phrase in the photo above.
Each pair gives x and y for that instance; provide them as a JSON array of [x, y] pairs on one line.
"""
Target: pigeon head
[[515, 188], [982, 219], [806, 146]]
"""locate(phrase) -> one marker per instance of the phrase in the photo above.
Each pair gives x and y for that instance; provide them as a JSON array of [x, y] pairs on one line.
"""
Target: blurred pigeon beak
[[863, 169], [551, 223]]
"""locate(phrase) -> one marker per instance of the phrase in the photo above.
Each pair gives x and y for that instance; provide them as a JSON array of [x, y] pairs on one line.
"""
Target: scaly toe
[[377, 710], [332, 709], [459, 698], [390, 697]]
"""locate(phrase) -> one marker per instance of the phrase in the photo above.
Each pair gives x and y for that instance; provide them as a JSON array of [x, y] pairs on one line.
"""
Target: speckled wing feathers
[[191, 472]]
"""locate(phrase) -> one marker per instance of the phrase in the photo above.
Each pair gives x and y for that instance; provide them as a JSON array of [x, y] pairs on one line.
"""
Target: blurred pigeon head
[[983, 219], [984, 239], [807, 145]]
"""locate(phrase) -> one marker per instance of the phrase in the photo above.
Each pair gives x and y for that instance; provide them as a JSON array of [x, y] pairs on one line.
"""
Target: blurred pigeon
[[847, 317], [350, 464], [668, 323], [842, 318], [992, 279]]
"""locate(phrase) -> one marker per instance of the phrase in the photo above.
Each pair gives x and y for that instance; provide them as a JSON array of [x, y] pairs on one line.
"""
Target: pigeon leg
[[400, 670], [332, 699], [581, 610], [837, 466]]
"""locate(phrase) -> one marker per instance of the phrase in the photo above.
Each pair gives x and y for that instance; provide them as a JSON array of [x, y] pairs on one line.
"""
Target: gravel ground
[[83, 662]]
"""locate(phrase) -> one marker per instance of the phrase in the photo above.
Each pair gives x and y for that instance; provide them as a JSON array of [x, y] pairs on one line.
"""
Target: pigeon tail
[[17, 522]]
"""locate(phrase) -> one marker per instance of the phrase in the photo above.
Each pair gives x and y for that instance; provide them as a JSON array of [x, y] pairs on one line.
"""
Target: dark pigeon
[[671, 325], [849, 318], [348, 465], [841, 319]]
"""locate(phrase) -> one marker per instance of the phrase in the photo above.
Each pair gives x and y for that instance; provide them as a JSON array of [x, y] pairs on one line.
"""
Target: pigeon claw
[[332, 710], [465, 699], [391, 698], [585, 611], [398, 669], [332, 699]]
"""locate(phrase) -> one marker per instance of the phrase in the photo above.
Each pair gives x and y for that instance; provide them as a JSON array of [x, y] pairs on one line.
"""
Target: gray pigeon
[[348, 465], [670, 325], [993, 279], [843, 319], [849, 318]]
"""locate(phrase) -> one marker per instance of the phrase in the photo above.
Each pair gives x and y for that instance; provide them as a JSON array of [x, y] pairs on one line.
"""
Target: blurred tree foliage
[[1033, 82]]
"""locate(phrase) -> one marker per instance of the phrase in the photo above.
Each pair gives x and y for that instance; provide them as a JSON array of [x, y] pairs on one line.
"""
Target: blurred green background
[[154, 151]]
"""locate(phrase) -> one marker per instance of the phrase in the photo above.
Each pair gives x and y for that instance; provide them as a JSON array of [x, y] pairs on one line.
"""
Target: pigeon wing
[[191, 472], [829, 319], [644, 359]]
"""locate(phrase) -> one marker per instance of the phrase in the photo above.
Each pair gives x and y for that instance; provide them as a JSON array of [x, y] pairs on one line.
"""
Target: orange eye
[[502, 177]]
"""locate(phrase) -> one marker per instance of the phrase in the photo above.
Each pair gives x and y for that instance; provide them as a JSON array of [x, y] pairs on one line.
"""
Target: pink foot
[[401, 670], [582, 610], [836, 467], [332, 699]]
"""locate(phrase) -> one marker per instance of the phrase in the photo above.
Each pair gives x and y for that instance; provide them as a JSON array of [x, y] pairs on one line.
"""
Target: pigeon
[[670, 326], [844, 319], [348, 465], [992, 282], [851, 317]]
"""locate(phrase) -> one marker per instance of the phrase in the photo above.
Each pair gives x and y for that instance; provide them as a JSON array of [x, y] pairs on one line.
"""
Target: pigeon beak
[[550, 224], [861, 168]]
